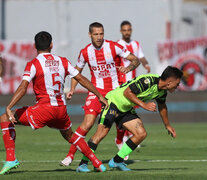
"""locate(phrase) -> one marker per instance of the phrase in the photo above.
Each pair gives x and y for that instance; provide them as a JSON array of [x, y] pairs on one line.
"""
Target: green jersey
[[145, 87]]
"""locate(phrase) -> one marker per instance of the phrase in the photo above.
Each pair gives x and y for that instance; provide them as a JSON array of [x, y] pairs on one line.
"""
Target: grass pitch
[[160, 156]]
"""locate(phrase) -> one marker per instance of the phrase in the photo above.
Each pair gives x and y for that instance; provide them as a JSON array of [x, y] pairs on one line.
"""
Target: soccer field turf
[[160, 156]]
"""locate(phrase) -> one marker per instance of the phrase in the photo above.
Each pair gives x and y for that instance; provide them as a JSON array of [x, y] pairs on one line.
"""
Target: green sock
[[124, 151]]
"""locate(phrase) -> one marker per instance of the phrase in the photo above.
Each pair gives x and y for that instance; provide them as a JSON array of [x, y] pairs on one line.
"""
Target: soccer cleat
[[83, 168], [66, 162], [101, 168], [8, 165], [121, 166], [118, 145]]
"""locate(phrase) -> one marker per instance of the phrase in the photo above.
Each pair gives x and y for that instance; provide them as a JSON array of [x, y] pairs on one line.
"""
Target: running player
[[135, 48], [121, 102], [48, 73], [103, 58]]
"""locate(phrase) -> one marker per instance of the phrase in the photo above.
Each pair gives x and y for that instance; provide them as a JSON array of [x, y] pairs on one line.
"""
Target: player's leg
[[136, 127], [105, 122], [82, 130], [92, 108], [9, 136], [82, 146]]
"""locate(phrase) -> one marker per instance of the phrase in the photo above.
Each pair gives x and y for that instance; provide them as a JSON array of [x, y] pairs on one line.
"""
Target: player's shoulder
[[114, 43], [85, 48], [148, 78]]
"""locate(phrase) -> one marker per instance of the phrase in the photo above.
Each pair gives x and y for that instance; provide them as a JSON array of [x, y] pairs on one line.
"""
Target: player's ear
[[89, 34], [51, 45]]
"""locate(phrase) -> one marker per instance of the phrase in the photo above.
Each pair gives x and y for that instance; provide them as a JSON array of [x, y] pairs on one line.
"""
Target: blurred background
[[171, 32]]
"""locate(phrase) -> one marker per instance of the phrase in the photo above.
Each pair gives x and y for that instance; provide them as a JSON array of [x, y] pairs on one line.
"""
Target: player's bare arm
[[88, 85], [164, 115], [145, 64], [74, 83], [151, 106], [19, 93], [133, 65]]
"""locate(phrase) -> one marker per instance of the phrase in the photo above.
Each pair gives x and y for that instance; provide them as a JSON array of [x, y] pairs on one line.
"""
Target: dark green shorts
[[112, 114]]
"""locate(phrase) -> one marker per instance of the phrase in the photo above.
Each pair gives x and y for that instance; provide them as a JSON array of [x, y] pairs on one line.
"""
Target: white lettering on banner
[[190, 56], [15, 56]]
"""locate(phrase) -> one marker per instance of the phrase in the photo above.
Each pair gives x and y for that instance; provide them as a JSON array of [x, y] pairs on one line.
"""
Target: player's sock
[[83, 147], [82, 133], [9, 136], [126, 149], [93, 147], [119, 135]]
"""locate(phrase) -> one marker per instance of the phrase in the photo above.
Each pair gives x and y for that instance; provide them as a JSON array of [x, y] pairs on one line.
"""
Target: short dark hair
[[95, 24], [171, 71], [43, 40], [125, 23]]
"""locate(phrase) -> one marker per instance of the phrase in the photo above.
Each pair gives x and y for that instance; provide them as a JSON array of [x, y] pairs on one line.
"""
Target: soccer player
[[135, 48], [48, 73], [103, 58], [1, 69], [121, 102]]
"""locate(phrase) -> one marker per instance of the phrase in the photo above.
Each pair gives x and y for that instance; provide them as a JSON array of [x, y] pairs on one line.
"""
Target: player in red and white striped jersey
[[135, 48], [48, 73], [104, 59]]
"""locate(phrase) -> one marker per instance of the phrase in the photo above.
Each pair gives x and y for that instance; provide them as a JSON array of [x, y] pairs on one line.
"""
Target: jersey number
[[56, 82]]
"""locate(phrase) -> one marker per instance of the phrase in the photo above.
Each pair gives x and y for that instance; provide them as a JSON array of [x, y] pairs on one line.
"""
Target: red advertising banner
[[191, 57], [15, 55]]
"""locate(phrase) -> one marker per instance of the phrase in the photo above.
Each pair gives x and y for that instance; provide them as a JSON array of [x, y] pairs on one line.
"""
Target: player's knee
[[141, 134], [87, 125]]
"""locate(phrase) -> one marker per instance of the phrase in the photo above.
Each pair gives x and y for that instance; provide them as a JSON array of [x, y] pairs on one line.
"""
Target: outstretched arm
[[133, 65], [74, 83], [164, 115], [19, 93], [88, 85]]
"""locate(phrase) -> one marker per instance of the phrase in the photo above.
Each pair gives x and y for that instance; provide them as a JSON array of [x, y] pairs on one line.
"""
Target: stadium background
[[156, 25]]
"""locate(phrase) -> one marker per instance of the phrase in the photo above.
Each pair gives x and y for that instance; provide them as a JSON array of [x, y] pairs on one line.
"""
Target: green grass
[[40, 152]]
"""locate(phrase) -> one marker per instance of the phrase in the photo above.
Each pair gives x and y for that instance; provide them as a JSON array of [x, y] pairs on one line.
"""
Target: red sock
[[120, 135], [73, 148], [9, 136], [83, 147], [127, 133]]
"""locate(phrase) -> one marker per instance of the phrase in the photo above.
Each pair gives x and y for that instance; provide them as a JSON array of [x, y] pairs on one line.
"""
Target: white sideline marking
[[181, 160]]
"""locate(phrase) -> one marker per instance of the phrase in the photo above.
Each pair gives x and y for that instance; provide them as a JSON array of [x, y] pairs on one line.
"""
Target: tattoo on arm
[[134, 64]]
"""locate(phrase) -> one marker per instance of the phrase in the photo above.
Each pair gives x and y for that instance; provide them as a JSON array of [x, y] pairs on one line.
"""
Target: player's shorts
[[112, 114], [92, 104], [41, 115]]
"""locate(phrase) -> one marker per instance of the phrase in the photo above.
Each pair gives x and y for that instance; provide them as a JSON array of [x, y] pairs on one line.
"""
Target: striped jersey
[[103, 63], [135, 48], [48, 72], [145, 87]]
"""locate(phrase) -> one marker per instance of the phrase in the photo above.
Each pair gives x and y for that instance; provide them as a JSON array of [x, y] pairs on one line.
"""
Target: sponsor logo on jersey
[[103, 67], [146, 81]]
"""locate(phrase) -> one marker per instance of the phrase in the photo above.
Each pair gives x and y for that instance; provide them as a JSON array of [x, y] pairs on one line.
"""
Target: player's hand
[[10, 116], [69, 94], [123, 69], [147, 67], [104, 102], [151, 106], [171, 131]]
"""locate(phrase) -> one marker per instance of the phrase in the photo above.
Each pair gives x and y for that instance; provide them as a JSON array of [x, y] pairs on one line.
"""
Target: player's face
[[173, 84], [126, 32], [97, 36]]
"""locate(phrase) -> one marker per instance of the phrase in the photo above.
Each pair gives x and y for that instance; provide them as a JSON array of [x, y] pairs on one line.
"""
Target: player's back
[[48, 73]]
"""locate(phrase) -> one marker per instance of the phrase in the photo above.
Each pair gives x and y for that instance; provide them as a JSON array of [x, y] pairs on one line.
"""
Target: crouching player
[[48, 73], [121, 102]]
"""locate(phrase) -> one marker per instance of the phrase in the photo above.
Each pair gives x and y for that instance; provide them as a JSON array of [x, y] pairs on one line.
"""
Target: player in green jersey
[[121, 102]]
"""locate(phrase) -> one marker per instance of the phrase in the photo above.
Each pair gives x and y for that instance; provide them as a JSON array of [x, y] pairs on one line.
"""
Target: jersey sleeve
[[140, 52], [162, 99], [72, 72], [121, 50], [29, 72], [81, 60], [140, 85]]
